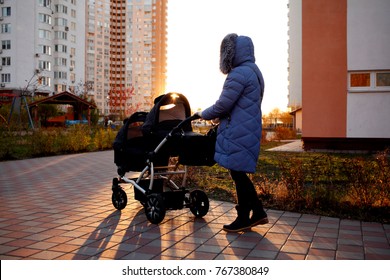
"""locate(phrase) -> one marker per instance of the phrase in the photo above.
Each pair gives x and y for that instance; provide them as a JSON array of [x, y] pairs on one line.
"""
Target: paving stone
[[65, 212]]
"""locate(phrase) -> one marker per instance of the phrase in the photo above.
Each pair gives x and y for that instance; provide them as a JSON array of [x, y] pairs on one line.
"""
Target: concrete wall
[[368, 34], [368, 112], [295, 54]]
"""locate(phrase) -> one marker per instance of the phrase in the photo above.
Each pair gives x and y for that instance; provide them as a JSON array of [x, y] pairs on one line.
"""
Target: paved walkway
[[291, 146], [60, 208]]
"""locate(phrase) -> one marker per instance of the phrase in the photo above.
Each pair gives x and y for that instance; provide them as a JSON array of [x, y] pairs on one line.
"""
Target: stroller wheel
[[119, 198], [199, 203], [154, 208]]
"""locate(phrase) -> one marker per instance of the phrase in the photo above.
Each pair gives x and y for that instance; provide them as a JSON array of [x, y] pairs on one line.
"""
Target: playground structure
[[18, 100], [23, 99], [79, 105]]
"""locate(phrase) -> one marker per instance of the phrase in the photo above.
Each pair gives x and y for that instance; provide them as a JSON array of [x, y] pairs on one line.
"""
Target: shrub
[[330, 184], [5, 144], [43, 141], [383, 177], [368, 181], [52, 141], [323, 175], [78, 138], [293, 177], [284, 133], [103, 138]]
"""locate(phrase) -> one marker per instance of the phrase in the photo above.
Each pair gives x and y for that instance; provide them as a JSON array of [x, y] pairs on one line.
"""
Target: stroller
[[156, 147]]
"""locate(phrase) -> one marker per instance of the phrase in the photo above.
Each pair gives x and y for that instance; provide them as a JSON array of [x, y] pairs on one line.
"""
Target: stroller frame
[[153, 198]]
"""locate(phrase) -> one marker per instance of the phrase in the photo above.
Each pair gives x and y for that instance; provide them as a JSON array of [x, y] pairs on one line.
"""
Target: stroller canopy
[[169, 110]]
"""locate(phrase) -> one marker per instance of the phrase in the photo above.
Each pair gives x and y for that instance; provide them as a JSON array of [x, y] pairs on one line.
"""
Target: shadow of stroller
[[110, 241], [99, 239], [141, 239]]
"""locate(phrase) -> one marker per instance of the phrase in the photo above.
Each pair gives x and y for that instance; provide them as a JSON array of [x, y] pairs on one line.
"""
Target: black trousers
[[246, 193]]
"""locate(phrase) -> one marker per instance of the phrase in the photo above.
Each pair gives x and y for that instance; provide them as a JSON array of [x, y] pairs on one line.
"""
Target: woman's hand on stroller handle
[[196, 115], [185, 121]]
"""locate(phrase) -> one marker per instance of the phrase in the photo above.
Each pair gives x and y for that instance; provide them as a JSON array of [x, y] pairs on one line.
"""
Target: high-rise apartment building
[[42, 45], [112, 50], [97, 52], [126, 53]]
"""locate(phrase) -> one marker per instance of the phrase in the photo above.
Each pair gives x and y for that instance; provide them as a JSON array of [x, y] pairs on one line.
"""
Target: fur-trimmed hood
[[234, 51]]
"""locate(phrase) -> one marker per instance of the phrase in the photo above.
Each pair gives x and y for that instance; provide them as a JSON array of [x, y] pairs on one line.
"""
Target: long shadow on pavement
[[102, 234]]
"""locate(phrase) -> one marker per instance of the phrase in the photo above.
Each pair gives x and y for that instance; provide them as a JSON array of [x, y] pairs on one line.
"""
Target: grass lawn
[[340, 185], [352, 186]]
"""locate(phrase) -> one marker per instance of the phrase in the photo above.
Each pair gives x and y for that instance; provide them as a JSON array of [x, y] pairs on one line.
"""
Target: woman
[[239, 111]]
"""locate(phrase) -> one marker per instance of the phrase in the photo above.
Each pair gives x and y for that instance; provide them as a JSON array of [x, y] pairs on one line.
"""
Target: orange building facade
[[343, 80]]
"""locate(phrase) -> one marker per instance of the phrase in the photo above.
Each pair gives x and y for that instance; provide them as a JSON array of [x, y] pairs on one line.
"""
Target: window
[[6, 28], [45, 81], [6, 11], [59, 88], [44, 34], [45, 65], [61, 48], [60, 75], [6, 44], [44, 3], [6, 61], [383, 79], [60, 35], [72, 77], [6, 78], [360, 80], [44, 18], [61, 22], [369, 81], [45, 49], [60, 61], [61, 9]]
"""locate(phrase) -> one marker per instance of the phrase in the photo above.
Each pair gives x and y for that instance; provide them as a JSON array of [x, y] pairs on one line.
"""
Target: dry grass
[[338, 185]]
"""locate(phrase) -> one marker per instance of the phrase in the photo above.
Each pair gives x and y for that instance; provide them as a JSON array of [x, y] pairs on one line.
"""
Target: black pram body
[[142, 132], [144, 146]]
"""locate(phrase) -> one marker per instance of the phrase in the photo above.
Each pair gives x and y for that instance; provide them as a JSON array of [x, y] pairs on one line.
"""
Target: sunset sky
[[195, 31]]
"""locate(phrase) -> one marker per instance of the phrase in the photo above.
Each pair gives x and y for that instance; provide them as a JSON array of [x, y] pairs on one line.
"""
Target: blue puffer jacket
[[238, 107]]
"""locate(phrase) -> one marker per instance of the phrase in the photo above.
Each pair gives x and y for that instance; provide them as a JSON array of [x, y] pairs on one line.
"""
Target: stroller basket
[[197, 149], [173, 199], [144, 184]]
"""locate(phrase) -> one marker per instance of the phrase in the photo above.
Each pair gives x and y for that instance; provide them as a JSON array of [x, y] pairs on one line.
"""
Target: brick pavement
[[60, 208]]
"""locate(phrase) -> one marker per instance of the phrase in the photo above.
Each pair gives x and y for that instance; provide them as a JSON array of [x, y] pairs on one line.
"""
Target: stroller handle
[[185, 121]]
